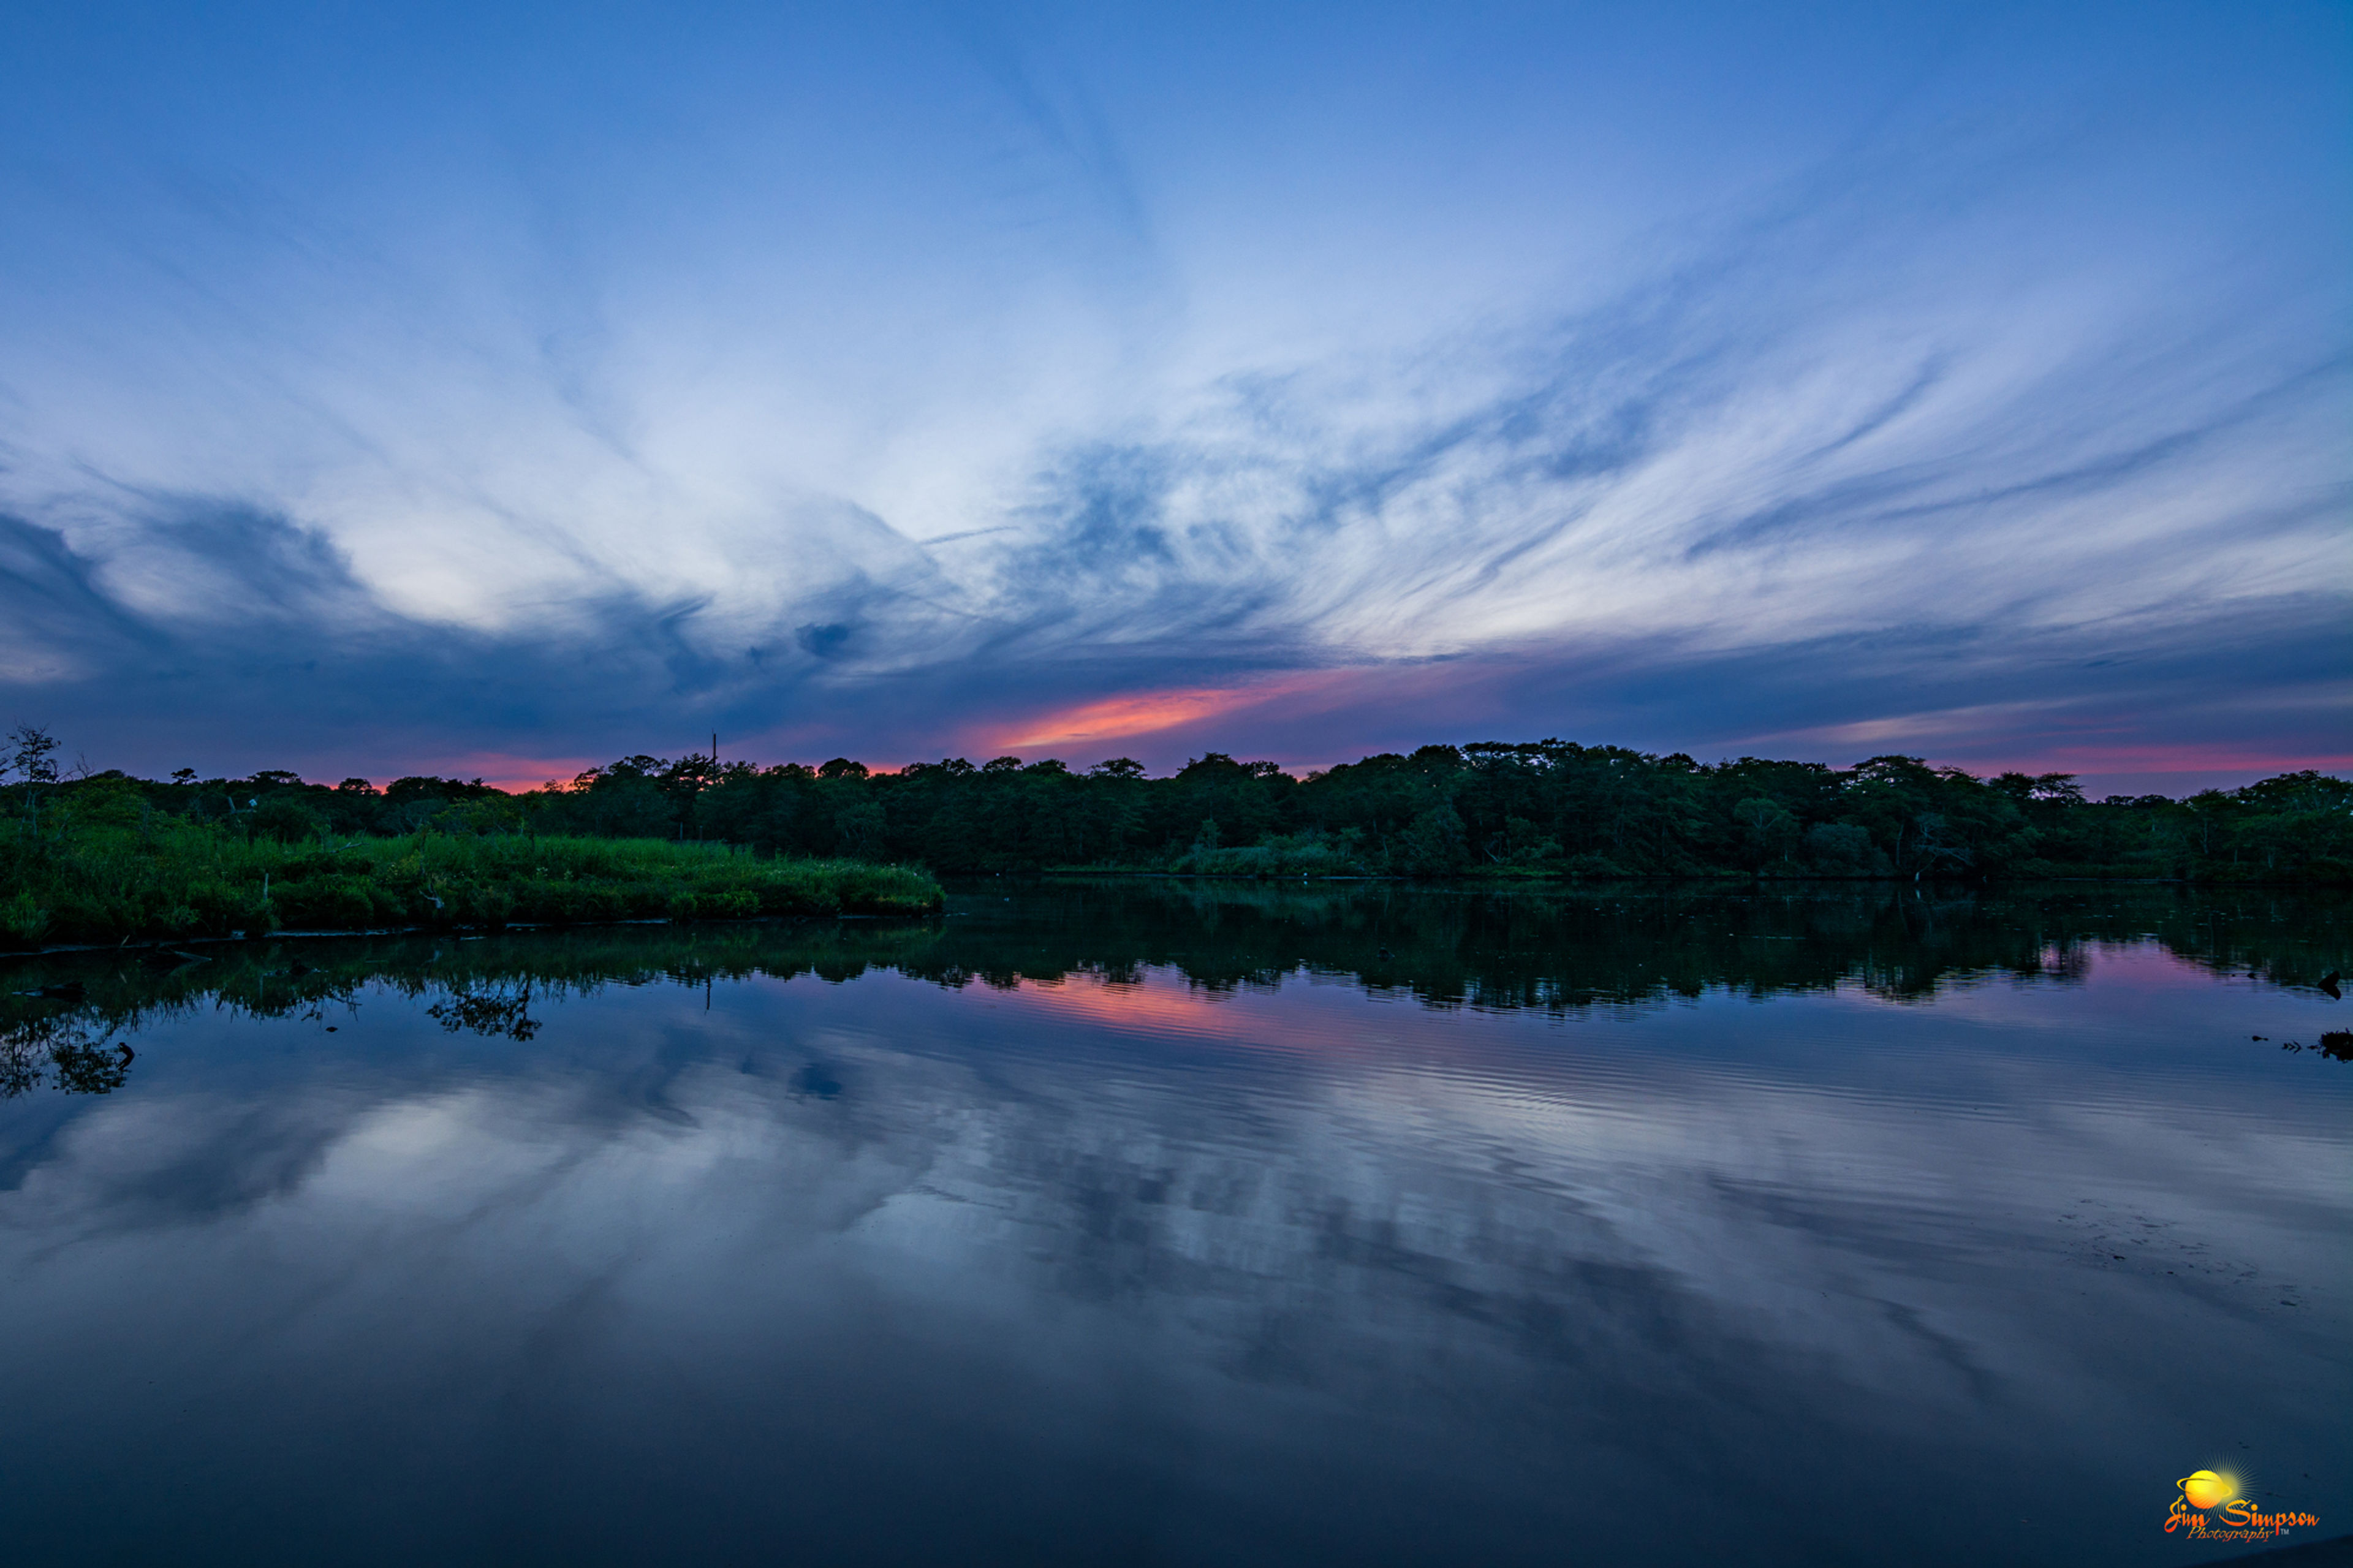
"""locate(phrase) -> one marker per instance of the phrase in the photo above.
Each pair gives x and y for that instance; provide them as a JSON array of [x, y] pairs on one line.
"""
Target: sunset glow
[[1152, 712], [507, 772], [1024, 382]]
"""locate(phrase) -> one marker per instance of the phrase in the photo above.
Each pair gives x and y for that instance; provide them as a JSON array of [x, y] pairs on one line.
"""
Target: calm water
[[1155, 1223]]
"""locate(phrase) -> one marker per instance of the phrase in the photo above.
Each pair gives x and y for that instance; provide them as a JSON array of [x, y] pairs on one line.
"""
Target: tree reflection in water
[[1558, 950], [489, 1011], [58, 1050]]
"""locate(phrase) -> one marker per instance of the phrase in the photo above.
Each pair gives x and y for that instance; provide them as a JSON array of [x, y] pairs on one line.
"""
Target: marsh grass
[[161, 878]]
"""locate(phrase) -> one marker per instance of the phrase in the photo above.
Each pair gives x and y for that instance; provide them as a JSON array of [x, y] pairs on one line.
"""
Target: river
[[1168, 1222]]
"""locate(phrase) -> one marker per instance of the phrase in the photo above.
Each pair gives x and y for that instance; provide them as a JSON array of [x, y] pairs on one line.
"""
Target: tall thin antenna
[[714, 748]]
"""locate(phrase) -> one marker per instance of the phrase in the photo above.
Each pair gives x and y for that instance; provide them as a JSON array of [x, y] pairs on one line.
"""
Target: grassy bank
[[168, 879]]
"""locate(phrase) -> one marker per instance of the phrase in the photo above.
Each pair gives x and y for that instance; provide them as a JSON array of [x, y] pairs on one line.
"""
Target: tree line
[[1543, 808]]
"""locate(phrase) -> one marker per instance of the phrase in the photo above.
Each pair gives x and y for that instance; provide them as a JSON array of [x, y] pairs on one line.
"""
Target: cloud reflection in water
[[1124, 1270]]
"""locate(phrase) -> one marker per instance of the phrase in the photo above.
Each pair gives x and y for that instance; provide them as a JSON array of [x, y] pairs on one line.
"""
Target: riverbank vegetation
[[109, 859], [1540, 810]]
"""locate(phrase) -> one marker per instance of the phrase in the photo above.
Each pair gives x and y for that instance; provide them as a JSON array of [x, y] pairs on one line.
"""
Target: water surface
[[1153, 1222]]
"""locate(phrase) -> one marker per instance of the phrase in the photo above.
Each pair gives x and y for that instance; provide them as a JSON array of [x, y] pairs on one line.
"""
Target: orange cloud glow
[[1149, 713]]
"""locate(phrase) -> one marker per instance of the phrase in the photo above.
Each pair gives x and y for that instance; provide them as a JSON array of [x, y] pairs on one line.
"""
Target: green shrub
[[288, 821], [328, 904], [23, 918]]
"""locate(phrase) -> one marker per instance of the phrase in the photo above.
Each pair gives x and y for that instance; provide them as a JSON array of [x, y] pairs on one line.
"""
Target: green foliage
[[288, 820], [1432, 844], [1308, 854], [1541, 809], [71, 879]]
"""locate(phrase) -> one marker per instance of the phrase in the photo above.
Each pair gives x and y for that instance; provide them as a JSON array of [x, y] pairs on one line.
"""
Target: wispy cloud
[[1845, 462]]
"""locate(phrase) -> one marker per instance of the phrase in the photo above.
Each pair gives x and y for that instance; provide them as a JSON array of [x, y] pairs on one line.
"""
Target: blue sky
[[504, 388]]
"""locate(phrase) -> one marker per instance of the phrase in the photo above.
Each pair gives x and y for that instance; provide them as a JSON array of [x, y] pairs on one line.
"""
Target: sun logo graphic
[[2203, 1489], [2205, 1492]]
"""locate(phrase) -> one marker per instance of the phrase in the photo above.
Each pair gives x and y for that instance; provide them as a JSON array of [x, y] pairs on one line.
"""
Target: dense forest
[[1547, 809]]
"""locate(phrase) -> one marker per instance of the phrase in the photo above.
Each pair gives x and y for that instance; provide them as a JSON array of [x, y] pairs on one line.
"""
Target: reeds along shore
[[109, 869]]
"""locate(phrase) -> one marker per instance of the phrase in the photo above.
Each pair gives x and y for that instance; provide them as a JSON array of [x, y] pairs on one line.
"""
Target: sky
[[500, 389]]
